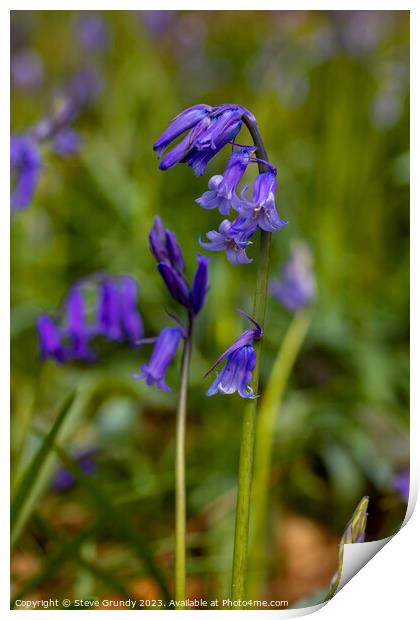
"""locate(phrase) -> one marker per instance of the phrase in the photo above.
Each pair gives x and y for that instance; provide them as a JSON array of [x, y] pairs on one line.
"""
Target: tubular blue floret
[[261, 209], [222, 188], [248, 337], [164, 246], [175, 283], [232, 237], [163, 353], [236, 375], [181, 123], [199, 286]]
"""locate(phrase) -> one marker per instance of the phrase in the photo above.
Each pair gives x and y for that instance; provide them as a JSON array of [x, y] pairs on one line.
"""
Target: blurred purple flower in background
[[296, 287], [117, 319], [25, 162], [401, 483], [93, 32], [157, 22], [85, 458], [66, 142], [50, 339], [76, 327], [26, 69]]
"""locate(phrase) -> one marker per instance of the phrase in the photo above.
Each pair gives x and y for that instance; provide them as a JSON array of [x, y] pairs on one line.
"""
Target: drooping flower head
[[296, 287], [209, 130], [171, 265], [240, 358], [25, 161], [163, 353]]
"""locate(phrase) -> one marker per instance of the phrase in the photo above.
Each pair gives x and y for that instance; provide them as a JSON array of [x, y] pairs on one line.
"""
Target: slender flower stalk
[[267, 414], [243, 503], [180, 493]]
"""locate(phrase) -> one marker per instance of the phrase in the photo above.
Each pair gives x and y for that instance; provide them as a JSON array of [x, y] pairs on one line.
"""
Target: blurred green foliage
[[330, 91]]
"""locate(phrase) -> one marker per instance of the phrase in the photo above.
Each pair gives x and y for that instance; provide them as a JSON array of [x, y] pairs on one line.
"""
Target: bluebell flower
[[240, 358], [236, 375], [232, 237], [108, 313], [296, 287], [25, 162], [50, 340], [183, 122], [93, 32], [222, 188], [131, 320], [210, 129], [76, 328], [164, 351], [66, 142], [261, 209], [171, 265], [85, 458]]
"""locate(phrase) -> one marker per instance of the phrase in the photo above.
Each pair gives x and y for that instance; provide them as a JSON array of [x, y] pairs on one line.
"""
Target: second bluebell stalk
[[171, 265]]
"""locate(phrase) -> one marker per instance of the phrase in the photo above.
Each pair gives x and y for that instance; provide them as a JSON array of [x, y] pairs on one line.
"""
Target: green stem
[[180, 497], [243, 502], [267, 414]]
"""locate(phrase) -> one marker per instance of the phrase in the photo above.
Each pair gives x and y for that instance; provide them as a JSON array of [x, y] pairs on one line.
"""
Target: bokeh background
[[330, 91]]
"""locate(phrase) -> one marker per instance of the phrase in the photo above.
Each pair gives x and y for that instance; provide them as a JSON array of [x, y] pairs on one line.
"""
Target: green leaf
[[32, 481]]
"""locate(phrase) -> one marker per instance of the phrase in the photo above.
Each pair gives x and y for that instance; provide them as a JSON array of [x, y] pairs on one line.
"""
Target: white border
[[388, 584]]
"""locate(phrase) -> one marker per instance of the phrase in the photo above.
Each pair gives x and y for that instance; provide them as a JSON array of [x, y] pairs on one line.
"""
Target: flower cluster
[[116, 318], [171, 265], [209, 130], [240, 359], [296, 287]]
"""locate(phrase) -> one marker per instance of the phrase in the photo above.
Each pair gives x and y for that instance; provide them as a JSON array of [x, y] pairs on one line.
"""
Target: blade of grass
[[32, 481]]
